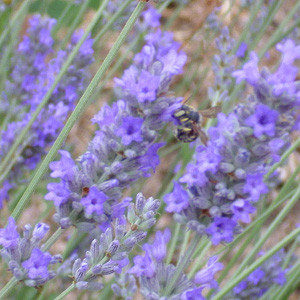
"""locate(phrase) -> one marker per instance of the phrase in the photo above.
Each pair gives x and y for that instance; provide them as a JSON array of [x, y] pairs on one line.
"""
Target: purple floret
[[9, 235], [37, 264], [94, 202]]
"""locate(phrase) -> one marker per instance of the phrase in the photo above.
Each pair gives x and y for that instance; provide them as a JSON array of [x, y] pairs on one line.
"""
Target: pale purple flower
[[263, 121], [9, 235], [177, 200], [37, 264], [94, 201]]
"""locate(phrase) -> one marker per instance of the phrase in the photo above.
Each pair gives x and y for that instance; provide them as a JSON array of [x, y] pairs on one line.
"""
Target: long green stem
[[199, 254], [279, 30], [61, 18], [8, 287], [21, 137], [254, 11], [82, 104], [233, 282], [173, 243], [112, 20], [267, 21], [65, 292], [75, 23], [54, 237], [15, 19]]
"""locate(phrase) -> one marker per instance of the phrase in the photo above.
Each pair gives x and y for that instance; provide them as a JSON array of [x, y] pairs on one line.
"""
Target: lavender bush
[[136, 213]]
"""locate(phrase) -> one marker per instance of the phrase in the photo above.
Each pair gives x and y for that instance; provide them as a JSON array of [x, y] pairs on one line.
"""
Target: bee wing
[[210, 112], [202, 134]]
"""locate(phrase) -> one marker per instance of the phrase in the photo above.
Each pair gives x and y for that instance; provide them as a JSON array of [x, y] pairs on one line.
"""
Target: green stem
[[290, 254], [111, 20], [15, 19], [66, 292], [173, 243], [236, 256], [75, 240], [259, 220], [8, 287], [279, 30], [254, 11], [82, 104], [183, 245], [267, 21], [205, 245], [164, 5], [21, 137], [234, 281], [184, 261], [54, 237], [174, 15], [61, 18], [75, 23]]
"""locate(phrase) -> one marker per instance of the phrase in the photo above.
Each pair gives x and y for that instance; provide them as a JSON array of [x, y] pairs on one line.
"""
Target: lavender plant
[[24, 255], [125, 147], [226, 178], [155, 275], [30, 79], [116, 243]]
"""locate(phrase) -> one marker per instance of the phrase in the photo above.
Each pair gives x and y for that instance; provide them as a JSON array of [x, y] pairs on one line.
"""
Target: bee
[[189, 122]]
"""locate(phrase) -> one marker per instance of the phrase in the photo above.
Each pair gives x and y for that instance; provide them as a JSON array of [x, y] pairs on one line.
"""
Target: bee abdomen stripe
[[179, 113]]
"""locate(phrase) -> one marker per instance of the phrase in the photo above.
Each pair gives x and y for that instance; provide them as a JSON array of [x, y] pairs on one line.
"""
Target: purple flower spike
[[152, 273]]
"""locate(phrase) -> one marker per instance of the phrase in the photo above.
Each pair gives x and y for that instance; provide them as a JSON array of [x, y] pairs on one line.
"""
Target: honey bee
[[189, 119]]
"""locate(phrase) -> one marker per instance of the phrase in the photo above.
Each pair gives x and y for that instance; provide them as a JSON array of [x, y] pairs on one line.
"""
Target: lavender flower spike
[[124, 148], [24, 256], [29, 81], [109, 252], [154, 275], [226, 179]]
